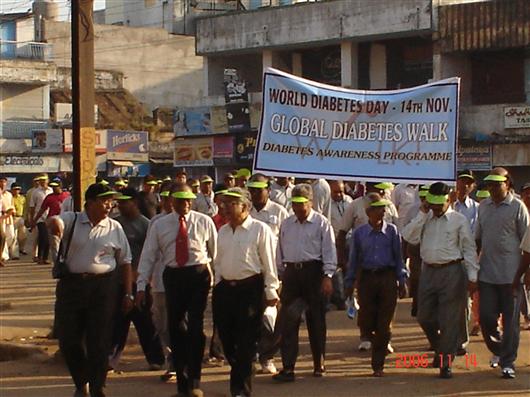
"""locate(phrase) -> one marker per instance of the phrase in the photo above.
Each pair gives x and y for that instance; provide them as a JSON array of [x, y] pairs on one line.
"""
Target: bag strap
[[70, 237]]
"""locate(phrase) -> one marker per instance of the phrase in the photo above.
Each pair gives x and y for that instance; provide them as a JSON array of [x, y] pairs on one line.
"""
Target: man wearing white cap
[[449, 266], [502, 223], [204, 203], [37, 198]]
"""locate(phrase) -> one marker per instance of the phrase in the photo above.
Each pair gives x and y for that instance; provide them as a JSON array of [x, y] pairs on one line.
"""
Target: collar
[[247, 222], [447, 213], [310, 218], [266, 208], [186, 217], [507, 200], [466, 203], [383, 228], [83, 218]]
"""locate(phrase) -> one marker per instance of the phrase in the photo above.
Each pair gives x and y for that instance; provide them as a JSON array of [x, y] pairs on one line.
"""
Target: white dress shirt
[[312, 240], [37, 197], [97, 248], [338, 209], [355, 214], [151, 275], [246, 251], [160, 243], [205, 204], [404, 197], [444, 239], [281, 195], [322, 197], [273, 214]]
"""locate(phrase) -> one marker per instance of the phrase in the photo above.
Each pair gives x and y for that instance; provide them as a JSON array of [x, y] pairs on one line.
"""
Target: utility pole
[[83, 99]]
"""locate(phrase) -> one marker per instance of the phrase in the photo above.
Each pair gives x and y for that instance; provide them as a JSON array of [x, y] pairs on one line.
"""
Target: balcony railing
[[25, 50]]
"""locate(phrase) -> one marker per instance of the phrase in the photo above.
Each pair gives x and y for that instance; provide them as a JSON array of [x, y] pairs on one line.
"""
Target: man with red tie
[[185, 241]]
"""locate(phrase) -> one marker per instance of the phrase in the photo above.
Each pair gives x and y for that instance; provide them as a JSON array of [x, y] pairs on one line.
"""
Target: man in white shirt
[[339, 202], [37, 197], [281, 192], [307, 260], [86, 295], [244, 271], [150, 273], [272, 214], [186, 243], [449, 269], [321, 197], [7, 232], [404, 196], [204, 203]]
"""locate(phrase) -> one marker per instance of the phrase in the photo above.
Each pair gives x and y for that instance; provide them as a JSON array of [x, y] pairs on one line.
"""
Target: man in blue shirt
[[375, 257]]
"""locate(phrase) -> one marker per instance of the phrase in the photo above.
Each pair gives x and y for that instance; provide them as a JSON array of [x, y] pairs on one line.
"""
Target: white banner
[[316, 130]]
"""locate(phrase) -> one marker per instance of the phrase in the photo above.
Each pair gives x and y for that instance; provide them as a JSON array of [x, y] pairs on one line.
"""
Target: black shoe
[[319, 372], [436, 361], [284, 376], [167, 376], [446, 373]]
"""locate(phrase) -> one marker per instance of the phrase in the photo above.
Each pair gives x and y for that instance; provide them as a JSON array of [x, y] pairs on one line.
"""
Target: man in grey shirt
[[502, 222]]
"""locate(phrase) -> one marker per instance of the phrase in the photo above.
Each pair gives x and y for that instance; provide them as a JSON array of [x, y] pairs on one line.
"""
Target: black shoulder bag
[[60, 268]]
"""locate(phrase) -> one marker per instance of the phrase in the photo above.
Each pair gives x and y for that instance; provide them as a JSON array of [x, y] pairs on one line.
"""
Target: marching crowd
[[273, 254]]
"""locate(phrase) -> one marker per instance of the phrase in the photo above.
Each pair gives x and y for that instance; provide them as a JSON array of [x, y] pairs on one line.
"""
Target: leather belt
[[197, 268], [378, 270], [439, 265], [88, 276], [243, 281], [302, 265]]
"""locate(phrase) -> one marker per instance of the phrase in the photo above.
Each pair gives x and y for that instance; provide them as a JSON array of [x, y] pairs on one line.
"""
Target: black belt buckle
[[298, 265]]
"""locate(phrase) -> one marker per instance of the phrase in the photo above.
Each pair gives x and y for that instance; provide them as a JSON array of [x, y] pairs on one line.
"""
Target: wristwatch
[[129, 296]]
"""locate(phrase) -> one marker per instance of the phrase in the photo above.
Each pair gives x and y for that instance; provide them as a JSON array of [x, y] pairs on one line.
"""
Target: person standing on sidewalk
[[19, 201], [135, 226], [185, 240], [448, 252], [244, 271], [306, 259], [8, 242], [204, 203], [502, 223], [86, 295], [37, 198], [375, 254]]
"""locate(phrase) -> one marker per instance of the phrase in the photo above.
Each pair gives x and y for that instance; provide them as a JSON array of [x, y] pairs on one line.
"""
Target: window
[[497, 77]]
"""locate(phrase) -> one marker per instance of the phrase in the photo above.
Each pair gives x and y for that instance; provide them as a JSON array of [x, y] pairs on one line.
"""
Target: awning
[[122, 163], [161, 161]]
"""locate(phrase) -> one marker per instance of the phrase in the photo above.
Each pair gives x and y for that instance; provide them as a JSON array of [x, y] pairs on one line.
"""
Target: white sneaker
[[494, 361], [365, 345], [389, 348], [268, 367], [508, 373]]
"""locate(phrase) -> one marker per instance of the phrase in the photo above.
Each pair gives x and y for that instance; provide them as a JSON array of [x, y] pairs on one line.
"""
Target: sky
[[11, 6]]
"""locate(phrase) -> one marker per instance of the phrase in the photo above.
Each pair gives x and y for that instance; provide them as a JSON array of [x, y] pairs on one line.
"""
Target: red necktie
[[181, 247]]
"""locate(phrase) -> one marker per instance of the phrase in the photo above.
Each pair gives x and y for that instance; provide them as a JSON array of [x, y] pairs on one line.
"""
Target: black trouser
[[44, 242], [377, 304], [143, 322], [238, 313], [187, 293], [83, 312], [301, 292]]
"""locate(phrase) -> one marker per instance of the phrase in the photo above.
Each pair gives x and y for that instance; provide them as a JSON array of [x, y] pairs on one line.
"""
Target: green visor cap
[[299, 199], [165, 193], [257, 185], [232, 194], [243, 172], [466, 176], [123, 197], [106, 194], [384, 185], [425, 187], [495, 178], [103, 182], [167, 178], [223, 191], [183, 195], [152, 183], [437, 199], [483, 194], [380, 203], [423, 193], [53, 184], [120, 183], [206, 179]]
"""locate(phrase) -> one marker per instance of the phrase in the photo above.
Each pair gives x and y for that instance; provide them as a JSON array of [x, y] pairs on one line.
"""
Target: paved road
[[29, 290]]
